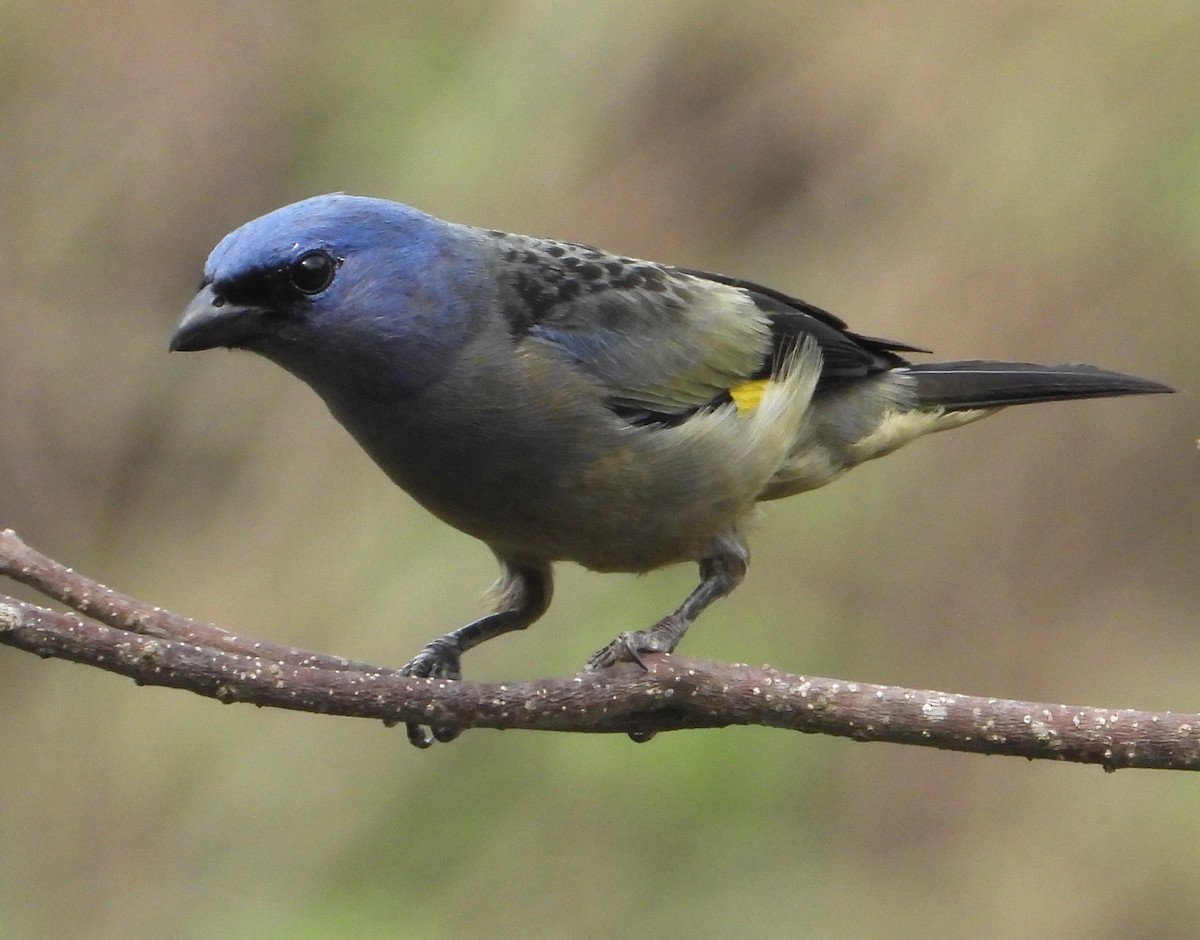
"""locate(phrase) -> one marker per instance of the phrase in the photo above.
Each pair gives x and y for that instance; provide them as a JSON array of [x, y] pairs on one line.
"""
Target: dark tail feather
[[959, 386]]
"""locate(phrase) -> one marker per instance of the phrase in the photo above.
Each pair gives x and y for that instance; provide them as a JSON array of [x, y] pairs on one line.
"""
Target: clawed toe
[[629, 646], [420, 736], [622, 649], [439, 660]]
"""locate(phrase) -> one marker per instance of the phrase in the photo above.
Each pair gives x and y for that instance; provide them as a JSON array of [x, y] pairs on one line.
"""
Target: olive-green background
[[1007, 180]]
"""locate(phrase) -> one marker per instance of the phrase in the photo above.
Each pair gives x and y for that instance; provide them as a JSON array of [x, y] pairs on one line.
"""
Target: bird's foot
[[629, 646], [439, 660]]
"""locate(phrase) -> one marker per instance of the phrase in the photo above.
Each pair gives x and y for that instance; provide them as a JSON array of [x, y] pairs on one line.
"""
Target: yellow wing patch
[[748, 395]]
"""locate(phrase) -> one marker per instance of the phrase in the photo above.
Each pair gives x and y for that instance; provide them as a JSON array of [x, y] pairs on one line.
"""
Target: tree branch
[[155, 647]]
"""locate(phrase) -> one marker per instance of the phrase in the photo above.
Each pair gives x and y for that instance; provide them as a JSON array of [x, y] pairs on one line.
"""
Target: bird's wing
[[665, 341], [845, 355]]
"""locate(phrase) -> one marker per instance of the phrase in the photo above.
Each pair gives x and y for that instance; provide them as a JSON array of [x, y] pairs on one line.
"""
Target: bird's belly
[[608, 497], [611, 511], [625, 510]]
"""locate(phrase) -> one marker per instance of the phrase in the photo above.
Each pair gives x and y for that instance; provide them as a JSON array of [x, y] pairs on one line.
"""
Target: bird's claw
[[439, 660], [422, 737], [623, 649], [630, 645]]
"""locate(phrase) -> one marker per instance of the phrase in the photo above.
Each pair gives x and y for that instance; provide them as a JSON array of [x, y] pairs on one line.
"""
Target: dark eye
[[313, 272]]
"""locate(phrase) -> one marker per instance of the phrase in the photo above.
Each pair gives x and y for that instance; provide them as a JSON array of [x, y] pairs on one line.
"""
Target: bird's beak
[[210, 321]]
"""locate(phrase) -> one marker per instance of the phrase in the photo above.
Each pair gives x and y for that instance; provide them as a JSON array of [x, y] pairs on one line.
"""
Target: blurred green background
[[1010, 180]]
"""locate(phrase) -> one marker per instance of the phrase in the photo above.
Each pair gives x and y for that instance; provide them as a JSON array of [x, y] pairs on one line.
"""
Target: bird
[[563, 403]]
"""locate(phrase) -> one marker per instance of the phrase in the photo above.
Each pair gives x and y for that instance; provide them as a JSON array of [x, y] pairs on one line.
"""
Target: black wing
[[845, 355]]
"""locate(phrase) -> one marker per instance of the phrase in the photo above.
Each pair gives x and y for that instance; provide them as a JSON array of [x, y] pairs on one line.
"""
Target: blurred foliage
[[1013, 180]]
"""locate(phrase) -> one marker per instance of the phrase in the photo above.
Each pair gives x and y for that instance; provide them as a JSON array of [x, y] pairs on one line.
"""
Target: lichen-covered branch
[[155, 647]]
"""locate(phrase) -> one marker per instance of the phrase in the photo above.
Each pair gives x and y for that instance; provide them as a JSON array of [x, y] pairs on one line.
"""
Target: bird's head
[[339, 289]]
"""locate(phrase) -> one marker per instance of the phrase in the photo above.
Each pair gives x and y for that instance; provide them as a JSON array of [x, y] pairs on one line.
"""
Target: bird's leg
[[524, 594], [720, 572]]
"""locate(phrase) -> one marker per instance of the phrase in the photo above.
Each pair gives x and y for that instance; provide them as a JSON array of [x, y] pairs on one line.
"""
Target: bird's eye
[[313, 272]]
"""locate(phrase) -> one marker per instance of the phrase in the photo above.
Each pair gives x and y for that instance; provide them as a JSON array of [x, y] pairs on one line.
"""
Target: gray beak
[[210, 321]]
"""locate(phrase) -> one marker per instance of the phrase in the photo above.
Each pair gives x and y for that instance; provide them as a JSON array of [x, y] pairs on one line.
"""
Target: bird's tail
[[975, 383]]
